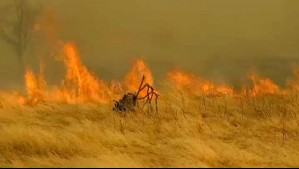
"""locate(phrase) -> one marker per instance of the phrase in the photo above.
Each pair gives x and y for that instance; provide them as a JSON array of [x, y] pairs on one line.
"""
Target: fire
[[263, 86], [80, 85], [182, 80], [209, 88], [225, 90], [134, 77], [195, 85], [35, 87]]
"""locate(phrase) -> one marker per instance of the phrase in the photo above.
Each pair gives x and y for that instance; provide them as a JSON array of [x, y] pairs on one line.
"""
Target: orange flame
[[35, 87], [182, 80], [195, 85], [209, 88], [263, 86], [80, 85], [134, 77]]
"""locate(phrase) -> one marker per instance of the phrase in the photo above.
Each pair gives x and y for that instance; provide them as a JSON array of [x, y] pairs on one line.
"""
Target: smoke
[[215, 39]]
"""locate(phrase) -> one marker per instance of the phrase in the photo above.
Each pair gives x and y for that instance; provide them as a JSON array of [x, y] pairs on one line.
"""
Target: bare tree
[[17, 27]]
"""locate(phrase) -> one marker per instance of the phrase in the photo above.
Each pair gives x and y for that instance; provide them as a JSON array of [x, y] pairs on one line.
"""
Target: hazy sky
[[219, 39]]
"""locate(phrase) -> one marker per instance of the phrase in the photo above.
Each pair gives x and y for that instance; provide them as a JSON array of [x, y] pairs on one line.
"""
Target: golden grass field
[[187, 131], [219, 119]]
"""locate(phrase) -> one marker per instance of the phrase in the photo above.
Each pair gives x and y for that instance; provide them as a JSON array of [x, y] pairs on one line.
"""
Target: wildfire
[[35, 87], [263, 86], [209, 88], [196, 85], [80, 85], [134, 77], [182, 80]]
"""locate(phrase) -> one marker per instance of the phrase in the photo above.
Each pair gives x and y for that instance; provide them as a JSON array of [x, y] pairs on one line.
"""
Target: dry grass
[[188, 131]]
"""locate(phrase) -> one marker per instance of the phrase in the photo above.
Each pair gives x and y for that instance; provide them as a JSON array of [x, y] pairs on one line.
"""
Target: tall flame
[[35, 87], [80, 85], [134, 77]]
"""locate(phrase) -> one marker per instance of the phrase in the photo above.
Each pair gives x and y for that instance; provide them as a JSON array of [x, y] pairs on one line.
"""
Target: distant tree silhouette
[[16, 27]]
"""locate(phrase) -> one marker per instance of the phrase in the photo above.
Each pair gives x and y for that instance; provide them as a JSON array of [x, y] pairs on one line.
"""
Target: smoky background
[[216, 39]]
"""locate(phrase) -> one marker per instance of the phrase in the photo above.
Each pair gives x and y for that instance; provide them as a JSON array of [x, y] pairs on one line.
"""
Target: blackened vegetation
[[129, 101]]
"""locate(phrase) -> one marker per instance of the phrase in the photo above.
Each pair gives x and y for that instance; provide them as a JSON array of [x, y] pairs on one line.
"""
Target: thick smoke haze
[[217, 39]]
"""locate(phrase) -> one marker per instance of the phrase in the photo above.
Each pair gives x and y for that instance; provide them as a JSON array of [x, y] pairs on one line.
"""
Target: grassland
[[187, 131]]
